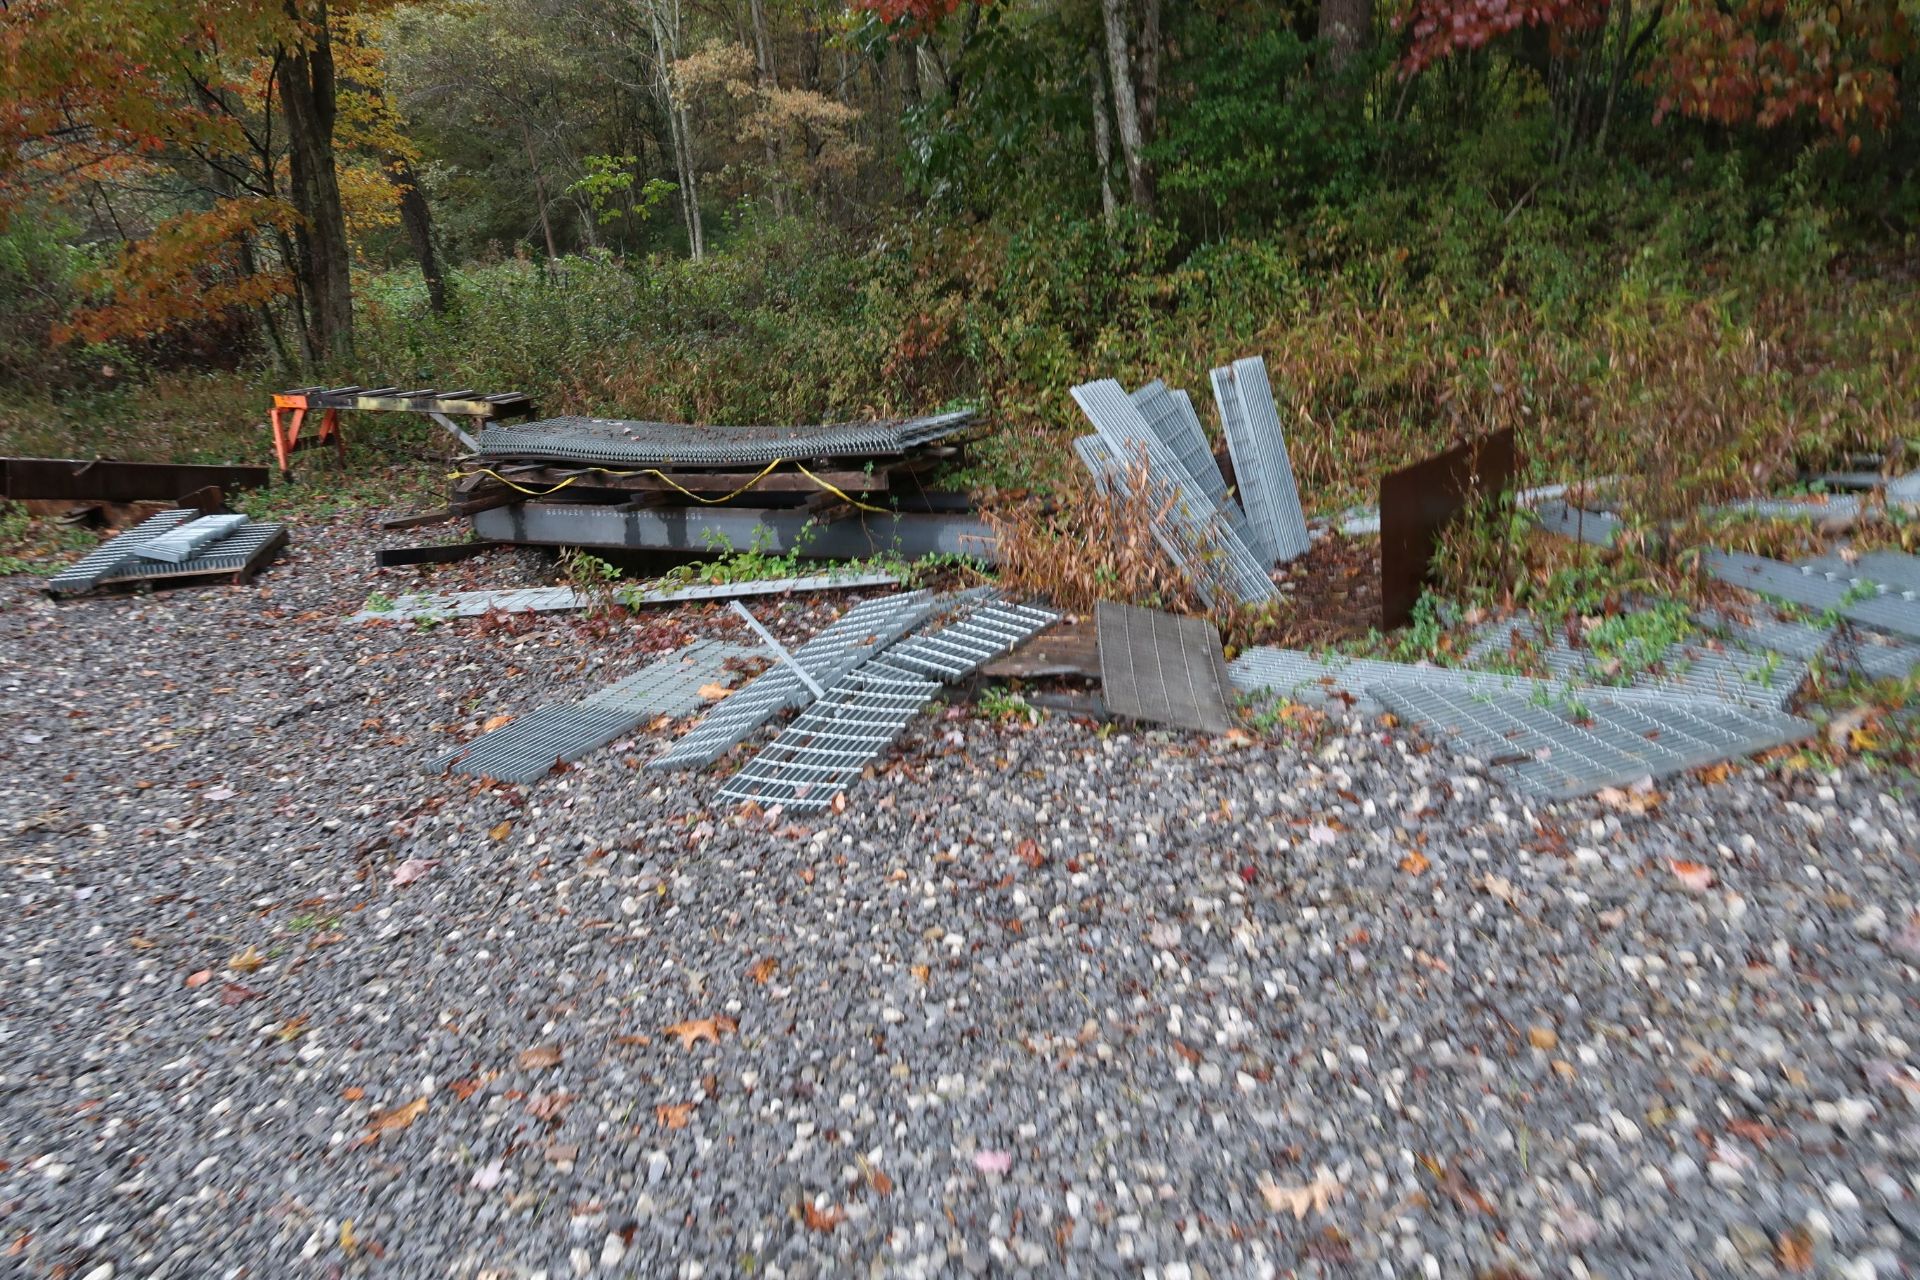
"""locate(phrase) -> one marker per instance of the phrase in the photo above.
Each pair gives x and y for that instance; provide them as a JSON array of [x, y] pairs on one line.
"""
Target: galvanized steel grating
[[1894, 570], [611, 440], [1175, 425], [1839, 506], [230, 553], [91, 569], [183, 542], [473, 604], [1341, 681], [862, 632], [526, 750], [671, 686], [1261, 465], [1595, 527], [1613, 742], [956, 651], [1188, 527], [1858, 601], [1162, 668]]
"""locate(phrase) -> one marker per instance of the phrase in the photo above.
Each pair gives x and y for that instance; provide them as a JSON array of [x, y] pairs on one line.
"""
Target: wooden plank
[[104, 480], [1064, 649], [418, 519]]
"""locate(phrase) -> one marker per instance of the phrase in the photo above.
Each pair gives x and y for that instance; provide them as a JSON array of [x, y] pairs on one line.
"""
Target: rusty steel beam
[[104, 480]]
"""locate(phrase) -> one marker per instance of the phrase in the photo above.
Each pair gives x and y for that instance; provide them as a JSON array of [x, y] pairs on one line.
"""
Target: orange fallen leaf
[[246, 961], [1794, 1249], [394, 1119], [496, 722], [694, 1030], [1692, 876], [500, 832], [715, 692], [823, 1220], [353, 1093], [1313, 1197], [1188, 1052], [139, 943], [540, 1057], [200, 979], [674, 1116], [922, 974], [1414, 863], [1542, 1037], [464, 1089], [292, 1029], [763, 970], [1031, 853]]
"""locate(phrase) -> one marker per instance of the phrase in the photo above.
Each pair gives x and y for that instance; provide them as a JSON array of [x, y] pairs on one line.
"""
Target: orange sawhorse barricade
[[290, 410]]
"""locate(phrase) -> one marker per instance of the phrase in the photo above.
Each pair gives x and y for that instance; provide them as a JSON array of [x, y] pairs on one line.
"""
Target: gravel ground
[[1039, 1001]]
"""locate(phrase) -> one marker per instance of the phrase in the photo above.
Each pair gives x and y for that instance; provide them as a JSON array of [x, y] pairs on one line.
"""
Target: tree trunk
[[1146, 70], [910, 91], [539, 192], [1126, 106], [324, 258], [1344, 26], [769, 85], [417, 218], [1102, 138]]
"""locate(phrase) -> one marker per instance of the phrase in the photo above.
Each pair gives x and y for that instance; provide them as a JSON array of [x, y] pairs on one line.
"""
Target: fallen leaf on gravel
[[496, 722], [540, 1057], [1844, 729], [347, 1242], [763, 970], [693, 1031], [292, 1029], [413, 869], [246, 961], [876, 1177], [673, 1116], [1638, 800], [715, 692], [1714, 774], [1186, 1051], [139, 943], [1500, 887], [922, 974], [823, 1220], [1794, 1249], [394, 1119], [1031, 853], [549, 1106], [232, 993], [1414, 863], [353, 1093], [1314, 1196], [200, 979], [500, 832], [464, 1089], [839, 802], [1692, 876], [993, 1161], [1542, 1037]]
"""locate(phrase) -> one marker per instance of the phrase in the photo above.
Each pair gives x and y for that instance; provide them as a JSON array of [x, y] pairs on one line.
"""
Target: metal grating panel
[[1595, 527], [1843, 505], [956, 651], [1547, 751], [1894, 570], [1337, 680], [231, 553], [1163, 669], [1175, 425], [830, 743], [472, 604], [182, 543], [1260, 462], [526, 750], [863, 631], [89, 570], [671, 686], [1188, 529], [612, 440], [1857, 601]]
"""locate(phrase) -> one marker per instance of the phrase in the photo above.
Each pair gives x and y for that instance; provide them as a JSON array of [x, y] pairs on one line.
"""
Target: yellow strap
[[676, 485]]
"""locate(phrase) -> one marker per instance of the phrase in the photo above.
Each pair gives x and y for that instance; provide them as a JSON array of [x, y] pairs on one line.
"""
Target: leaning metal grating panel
[[671, 686], [91, 569], [1188, 529], [1856, 600], [611, 440], [863, 631], [525, 751], [1176, 426], [183, 542], [1615, 742], [230, 553], [815, 757], [1260, 461]]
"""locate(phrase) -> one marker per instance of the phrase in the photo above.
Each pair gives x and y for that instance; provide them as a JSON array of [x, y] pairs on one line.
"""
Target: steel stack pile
[[836, 490]]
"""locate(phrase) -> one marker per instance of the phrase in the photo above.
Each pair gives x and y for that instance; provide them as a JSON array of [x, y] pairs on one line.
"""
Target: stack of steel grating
[[863, 631], [828, 746], [666, 444], [1261, 463], [90, 570], [229, 549], [1188, 527], [182, 542], [526, 750], [230, 553]]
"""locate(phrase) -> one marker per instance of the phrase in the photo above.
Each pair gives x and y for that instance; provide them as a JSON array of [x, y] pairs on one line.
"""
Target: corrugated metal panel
[[1613, 742], [611, 440], [91, 569], [1189, 529], [863, 631], [1261, 464]]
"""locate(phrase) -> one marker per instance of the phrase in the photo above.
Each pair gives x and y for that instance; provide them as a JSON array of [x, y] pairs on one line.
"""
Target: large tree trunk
[[324, 258], [1126, 106], [769, 82], [1102, 138], [1344, 25], [418, 221]]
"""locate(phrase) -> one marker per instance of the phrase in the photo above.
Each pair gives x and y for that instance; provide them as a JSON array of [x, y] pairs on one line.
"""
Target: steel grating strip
[[89, 570], [1175, 425], [1162, 668], [1894, 570], [1845, 505], [230, 553], [612, 440], [184, 542], [1187, 527], [1613, 743], [1856, 600], [1595, 527], [956, 651], [671, 686], [1261, 464], [473, 604], [526, 750], [861, 632]]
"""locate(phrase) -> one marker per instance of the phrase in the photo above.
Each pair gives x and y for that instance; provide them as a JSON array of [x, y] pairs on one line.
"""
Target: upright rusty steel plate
[[1417, 502]]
